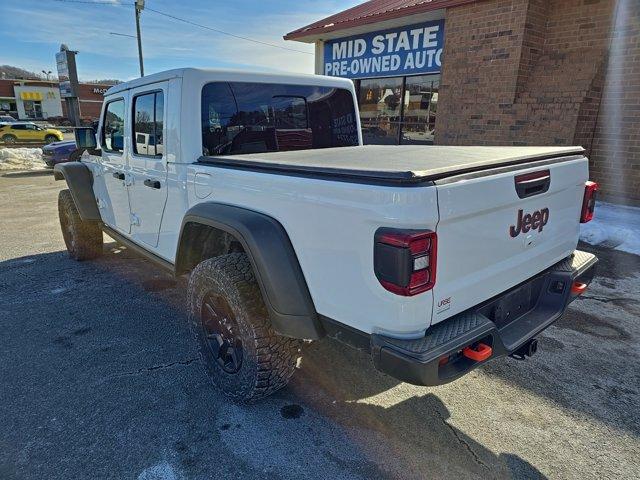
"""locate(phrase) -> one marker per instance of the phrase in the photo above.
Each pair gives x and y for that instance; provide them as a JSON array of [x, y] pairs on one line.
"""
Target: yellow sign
[[30, 95]]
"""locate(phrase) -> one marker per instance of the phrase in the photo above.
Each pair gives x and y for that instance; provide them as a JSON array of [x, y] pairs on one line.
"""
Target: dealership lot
[[100, 379]]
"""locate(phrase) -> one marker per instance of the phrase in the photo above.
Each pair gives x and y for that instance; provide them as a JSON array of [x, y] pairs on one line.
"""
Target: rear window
[[243, 117], [147, 124]]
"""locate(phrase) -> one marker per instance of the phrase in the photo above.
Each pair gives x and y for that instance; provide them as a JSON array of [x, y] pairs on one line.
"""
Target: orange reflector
[[480, 353], [577, 288]]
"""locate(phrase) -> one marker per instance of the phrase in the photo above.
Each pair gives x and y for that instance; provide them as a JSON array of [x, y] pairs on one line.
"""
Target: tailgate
[[486, 240]]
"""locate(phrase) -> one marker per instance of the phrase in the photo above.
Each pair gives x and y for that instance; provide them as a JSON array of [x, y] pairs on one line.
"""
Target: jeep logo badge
[[530, 221]]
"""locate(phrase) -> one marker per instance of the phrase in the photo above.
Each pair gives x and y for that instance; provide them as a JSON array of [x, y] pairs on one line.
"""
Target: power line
[[189, 22], [97, 2], [226, 33], [122, 34]]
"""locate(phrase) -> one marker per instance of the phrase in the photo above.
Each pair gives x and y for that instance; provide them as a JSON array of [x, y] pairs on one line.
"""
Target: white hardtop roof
[[202, 75]]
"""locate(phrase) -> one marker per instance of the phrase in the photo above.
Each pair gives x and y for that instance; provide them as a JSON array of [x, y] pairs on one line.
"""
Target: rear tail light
[[405, 260], [578, 288], [589, 201]]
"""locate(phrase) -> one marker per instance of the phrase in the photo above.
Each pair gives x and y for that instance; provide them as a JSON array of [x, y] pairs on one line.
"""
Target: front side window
[[113, 126], [148, 110], [239, 118]]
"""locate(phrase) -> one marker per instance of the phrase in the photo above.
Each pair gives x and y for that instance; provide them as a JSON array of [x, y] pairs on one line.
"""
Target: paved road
[[99, 378]]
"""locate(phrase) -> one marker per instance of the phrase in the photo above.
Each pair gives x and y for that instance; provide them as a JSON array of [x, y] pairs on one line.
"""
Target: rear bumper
[[505, 323]]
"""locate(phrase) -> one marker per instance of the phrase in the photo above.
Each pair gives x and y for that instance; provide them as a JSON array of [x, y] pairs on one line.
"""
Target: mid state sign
[[400, 51]]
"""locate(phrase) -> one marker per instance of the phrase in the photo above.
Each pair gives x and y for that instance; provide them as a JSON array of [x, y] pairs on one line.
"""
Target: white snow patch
[[21, 159], [58, 290], [614, 226], [160, 471]]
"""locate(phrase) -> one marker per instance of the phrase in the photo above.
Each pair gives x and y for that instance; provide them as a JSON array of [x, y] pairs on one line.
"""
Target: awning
[[30, 95], [373, 11]]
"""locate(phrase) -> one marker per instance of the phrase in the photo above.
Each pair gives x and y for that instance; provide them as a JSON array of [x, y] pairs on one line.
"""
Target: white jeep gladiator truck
[[434, 259]]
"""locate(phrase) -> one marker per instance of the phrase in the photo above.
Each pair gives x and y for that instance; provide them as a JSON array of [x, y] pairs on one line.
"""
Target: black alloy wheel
[[221, 331]]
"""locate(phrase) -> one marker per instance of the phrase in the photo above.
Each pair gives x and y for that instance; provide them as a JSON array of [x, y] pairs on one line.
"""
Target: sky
[[31, 32]]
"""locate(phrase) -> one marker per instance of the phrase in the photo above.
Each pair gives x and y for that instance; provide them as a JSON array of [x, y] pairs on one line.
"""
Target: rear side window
[[113, 126], [243, 117], [148, 110], [18, 127]]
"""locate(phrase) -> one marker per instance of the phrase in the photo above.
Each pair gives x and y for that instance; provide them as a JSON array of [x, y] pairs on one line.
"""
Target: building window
[[147, 124], [8, 105], [380, 100], [33, 108], [420, 105], [399, 110]]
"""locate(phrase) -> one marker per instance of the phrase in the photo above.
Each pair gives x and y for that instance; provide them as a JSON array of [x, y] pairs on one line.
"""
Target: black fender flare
[[274, 262], [80, 181]]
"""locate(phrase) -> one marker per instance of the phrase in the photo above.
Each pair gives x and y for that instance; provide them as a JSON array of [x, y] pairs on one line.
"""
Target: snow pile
[[613, 226], [21, 159]]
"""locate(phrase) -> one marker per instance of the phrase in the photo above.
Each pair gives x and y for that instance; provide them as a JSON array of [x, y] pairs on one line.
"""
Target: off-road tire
[[50, 139], [83, 239], [268, 359], [9, 139]]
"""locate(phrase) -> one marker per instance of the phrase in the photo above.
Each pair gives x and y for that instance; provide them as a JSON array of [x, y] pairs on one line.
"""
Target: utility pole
[[139, 6]]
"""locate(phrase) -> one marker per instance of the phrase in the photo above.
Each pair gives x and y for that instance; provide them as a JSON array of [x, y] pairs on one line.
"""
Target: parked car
[[5, 119], [29, 132], [64, 151], [59, 152], [434, 259]]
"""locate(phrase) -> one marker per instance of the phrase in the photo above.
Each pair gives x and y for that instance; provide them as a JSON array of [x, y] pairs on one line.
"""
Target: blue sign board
[[400, 51]]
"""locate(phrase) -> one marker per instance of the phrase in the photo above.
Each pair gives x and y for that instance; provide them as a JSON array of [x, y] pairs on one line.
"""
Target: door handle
[[151, 183], [118, 175]]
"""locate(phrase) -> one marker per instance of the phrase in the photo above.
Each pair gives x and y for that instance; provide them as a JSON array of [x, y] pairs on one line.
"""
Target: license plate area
[[513, 304]]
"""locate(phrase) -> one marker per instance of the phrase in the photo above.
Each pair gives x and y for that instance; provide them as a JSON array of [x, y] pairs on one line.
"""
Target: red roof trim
[[370, 12]]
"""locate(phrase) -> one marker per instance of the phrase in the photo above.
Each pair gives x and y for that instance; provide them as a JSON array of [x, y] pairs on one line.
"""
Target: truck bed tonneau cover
[[398, 165]]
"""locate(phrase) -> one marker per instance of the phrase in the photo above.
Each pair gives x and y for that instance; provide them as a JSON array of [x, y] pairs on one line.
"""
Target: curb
[[26, 173]]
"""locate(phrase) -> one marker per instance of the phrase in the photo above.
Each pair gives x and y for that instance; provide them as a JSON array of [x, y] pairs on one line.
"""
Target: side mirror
[[86, 138]]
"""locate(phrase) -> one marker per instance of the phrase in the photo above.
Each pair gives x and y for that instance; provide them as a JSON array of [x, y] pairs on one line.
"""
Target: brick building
[[40, 100], [495, 72]]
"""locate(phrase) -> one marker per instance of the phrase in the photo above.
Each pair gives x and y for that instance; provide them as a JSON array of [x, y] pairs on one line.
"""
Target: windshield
[[243, 117]]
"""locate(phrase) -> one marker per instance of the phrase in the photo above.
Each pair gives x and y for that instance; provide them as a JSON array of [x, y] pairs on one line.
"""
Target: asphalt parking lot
[[99, 378]]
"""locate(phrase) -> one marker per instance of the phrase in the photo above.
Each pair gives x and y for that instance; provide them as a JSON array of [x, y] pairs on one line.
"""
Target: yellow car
[[28, 132]]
